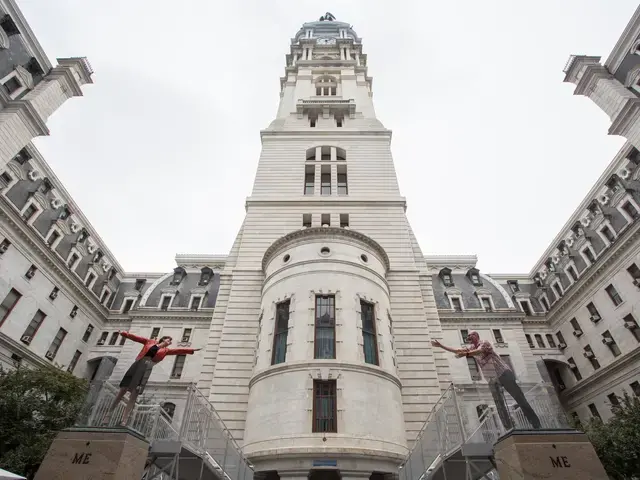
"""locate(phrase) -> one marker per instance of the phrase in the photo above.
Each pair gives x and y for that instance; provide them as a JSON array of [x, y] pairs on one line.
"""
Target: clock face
[[326, 41]]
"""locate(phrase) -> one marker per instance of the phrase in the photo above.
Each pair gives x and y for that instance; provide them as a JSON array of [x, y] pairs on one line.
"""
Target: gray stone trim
[[323, 232]]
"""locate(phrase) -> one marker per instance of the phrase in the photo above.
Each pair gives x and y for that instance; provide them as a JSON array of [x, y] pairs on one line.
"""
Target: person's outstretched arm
[[457, 351], [181, 351], [133, 337]]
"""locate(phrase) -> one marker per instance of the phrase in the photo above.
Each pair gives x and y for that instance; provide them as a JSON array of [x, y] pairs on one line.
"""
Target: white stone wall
[[14, 263]]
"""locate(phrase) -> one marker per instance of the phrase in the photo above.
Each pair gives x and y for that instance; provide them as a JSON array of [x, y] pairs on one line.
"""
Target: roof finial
[[328, 17]]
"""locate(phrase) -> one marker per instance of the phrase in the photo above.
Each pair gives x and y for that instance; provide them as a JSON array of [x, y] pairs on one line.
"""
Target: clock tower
[[319, 353]]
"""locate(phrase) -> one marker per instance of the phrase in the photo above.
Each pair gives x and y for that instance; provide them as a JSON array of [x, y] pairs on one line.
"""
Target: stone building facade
[[315, 328]]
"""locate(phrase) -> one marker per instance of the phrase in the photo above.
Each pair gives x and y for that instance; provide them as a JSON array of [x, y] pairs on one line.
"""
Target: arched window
[[325, 153], [169, 409], [326, 86], [341, 154], [311, 153]]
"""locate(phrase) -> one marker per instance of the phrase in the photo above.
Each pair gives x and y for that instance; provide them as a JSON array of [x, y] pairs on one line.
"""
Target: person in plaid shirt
[[498, 373]]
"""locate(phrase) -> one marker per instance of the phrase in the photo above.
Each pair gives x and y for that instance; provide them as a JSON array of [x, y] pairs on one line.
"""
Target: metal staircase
[[449, 446], [196, 446]]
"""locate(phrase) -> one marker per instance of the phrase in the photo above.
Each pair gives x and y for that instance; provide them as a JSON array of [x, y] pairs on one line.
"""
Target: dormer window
[[513, 285], [474, 276], [98, 256], [139, 284], [8, 25], [538, 281], [178, 274], [447, 279], [551, 266], [45, 187], [22, 156], [64, 213], [205, 276]]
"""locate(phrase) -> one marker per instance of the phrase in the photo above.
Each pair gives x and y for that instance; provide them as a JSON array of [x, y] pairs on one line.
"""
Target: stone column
[[556, 454], [95, 453]]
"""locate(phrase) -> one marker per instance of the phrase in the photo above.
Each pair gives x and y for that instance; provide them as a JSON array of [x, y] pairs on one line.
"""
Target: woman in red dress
[[134, 381]]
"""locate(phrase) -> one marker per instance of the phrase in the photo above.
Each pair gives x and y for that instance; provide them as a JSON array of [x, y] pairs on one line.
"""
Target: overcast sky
[[492, 150]]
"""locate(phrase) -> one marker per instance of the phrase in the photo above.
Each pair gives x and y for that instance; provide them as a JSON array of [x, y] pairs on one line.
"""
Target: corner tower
[[319, 352]]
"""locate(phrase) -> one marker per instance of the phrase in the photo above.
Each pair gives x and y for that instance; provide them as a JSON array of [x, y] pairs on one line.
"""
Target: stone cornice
[[575, 63], [29, 115], [155, 314], [479, 315], [321, 201], [323, 232], [363, 368], [580, 289], [7, 341], [83, 298], [588, 81], [320, 132]]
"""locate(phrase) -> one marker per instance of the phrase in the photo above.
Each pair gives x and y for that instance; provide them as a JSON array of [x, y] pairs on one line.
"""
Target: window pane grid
[[369, 333], [325, 329], [324, 406], [281, 331]]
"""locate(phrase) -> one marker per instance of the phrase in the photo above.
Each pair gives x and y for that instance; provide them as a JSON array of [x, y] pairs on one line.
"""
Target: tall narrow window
[[630, 210], [574, 368], [29, 212], [114, 338], [613, 295], [577, 330], [306, 220], [279, 354], [186, 335], [54, 293], [497, 334], [103, 338], [74, 361], [309, 179], [613, 400], [524, 305], [55, 345], [33, 327], [344, 220], [128, 305], [4, 246], [539, 340], [608, 234], [464, 334], [608, 340], [325, 409], [325, 180], [74, 311], [589, 355], [154, 333], [369, 338], [87, 333], [325, 327], [594, 411], [53, 238], [325, 219], [31, 272], [550, 340], [90, 278], [529, 340], [166, 302], [8, 304], [594, 315], [178, 366], [545, 303], [456, 304], [473, 369], [631, 324], [325, 153], [589, 255], [561, 338], [105, 297], [343, 188], [486, 304], [195, 303], [72, 260], [571, 271]]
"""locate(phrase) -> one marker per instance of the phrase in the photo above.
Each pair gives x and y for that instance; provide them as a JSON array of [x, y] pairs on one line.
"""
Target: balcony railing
[[448, 432], [201, 431]]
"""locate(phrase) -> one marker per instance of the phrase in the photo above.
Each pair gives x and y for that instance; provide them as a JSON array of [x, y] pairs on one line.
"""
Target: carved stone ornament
[[33, 175], [56, 203], [25, 76], [91, 248], [75, 227], [585, 221], [106, 265], [603, 199], [555, 259], [624, 173]]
